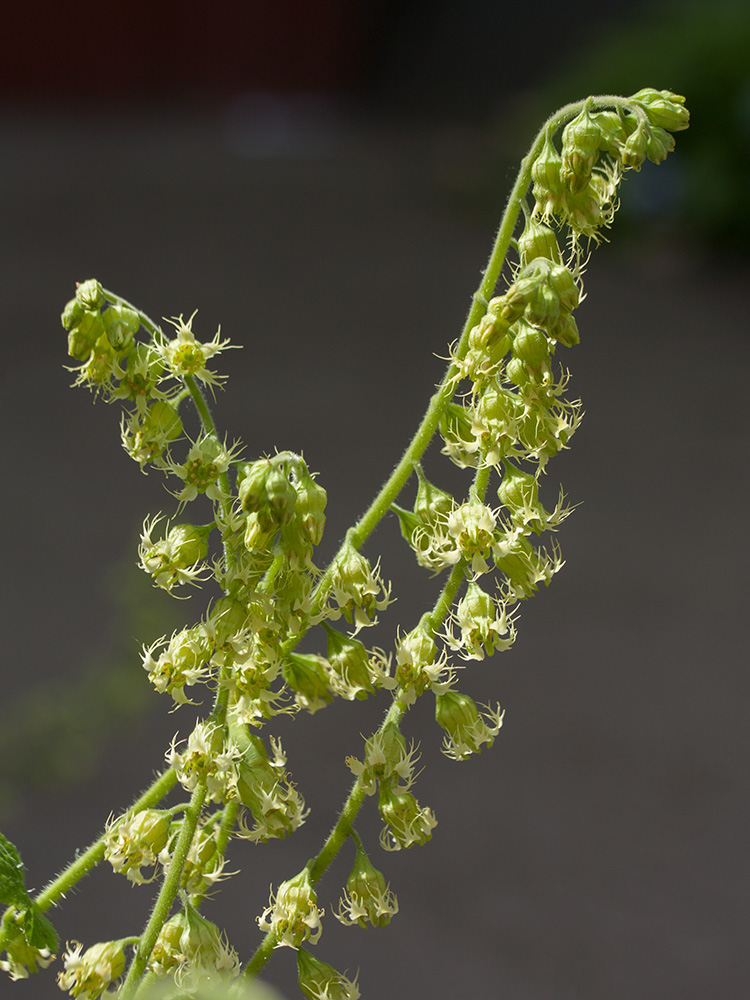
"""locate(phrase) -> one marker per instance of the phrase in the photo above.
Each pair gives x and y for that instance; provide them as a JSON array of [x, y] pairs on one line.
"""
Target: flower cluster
[[502, 410]]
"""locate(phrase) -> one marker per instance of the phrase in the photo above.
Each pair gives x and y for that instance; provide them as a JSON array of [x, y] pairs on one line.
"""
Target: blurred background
[[323, 178]]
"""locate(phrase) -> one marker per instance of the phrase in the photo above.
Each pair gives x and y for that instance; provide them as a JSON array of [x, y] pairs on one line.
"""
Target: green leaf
[[38, 931], [12, 875]]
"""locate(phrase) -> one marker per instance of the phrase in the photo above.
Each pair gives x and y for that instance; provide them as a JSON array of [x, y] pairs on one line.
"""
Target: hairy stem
[[167, 893]]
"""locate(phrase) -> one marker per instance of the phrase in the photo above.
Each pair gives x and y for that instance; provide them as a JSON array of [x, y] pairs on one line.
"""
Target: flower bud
[[467, 731], [88, 973], [350, 675], [530, 346], [581, 140], [538, 240], [659, 144], [311, 502], [614, 127], [548, 187], [173, 560], [192, 948], [135, 843], [228, 618], [280, 496], [90, 294], [145, 437], [564, 331], [457, 433], [519, 492], [120, 323], [356, 585], [320, 981], [635, 149], [367, 898], [431, 503], [292, 914], [387, 759], [251, 484], [306, 676], [407, 823], [485, 624], [84, 335], [72, 314], [664, 109], [257, 538], [263, 786]]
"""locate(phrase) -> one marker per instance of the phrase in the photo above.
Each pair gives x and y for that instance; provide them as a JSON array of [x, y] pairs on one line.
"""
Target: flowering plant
[[502, 411]]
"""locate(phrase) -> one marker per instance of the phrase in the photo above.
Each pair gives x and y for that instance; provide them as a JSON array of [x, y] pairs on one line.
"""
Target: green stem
[[444, 393], [167, 893]]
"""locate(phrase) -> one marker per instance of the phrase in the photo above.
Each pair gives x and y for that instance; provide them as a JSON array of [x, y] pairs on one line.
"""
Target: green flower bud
[[431, 504], [457, 433], [526, 567], [407, 823], [635, 149], [320, 981], [664, 109], [659, 143], [146, 436], [490, 333], [90, 294], [408, 522], [72, 314], [251, 483], [306, 675], [258, 537], [356, 585], [467, 731], [173, 559], [367, 898], [135, 843], [280, 496], [311, 502], [120, 323], [83, 336], [530, 345], [350, 666], [188, 941], [538, 240], [263, 786], [88, 973], [228, 619], [293, 915], [548, 189], [564, 331], [519, 492], [581, 140]]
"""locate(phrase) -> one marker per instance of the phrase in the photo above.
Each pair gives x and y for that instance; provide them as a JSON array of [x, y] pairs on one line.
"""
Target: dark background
[[323, 179]]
